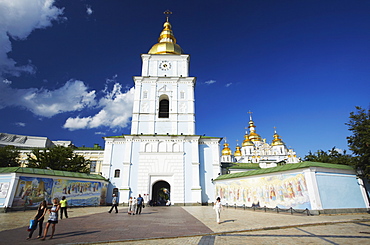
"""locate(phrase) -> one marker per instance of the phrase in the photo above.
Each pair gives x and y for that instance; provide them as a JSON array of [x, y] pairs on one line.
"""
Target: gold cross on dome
[[167, 13]]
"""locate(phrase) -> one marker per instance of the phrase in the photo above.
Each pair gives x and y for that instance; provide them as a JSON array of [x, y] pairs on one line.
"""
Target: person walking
[[134, 206], [114, 204], [53, 218], [63, 207], [217, 207], [39, 219], [140, 203], [130, 206]]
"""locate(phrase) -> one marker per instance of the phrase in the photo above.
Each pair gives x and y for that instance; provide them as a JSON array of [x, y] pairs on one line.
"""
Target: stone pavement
[[190, 225]]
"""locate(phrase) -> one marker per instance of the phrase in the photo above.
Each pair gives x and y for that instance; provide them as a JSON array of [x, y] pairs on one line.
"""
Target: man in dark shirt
[[140, 203]]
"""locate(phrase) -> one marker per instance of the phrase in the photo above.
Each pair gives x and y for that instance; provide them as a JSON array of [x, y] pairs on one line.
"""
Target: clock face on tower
[[164, 65]]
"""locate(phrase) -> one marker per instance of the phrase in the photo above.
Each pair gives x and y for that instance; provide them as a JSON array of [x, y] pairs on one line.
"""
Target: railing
[[276, 209]]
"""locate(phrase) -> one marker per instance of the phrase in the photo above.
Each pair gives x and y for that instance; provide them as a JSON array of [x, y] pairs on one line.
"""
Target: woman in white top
[[217, 207], [130, 206], [53, 218], [134, 204]]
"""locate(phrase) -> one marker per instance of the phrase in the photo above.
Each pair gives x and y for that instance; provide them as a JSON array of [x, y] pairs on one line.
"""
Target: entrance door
[[160, 193]]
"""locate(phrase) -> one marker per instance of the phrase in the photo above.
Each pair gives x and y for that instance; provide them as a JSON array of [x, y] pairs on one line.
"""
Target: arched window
[[117, 173], [164, 107], [161, 146], [175, 148], [148, 147]]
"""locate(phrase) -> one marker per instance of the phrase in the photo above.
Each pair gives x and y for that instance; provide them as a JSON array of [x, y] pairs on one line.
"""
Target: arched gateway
[[161, 193]]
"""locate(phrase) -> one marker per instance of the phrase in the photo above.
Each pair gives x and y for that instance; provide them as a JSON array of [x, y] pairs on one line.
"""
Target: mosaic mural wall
[[32, 190], [284, 191]]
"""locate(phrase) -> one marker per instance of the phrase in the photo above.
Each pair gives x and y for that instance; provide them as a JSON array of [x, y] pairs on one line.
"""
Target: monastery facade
[[254, 149]]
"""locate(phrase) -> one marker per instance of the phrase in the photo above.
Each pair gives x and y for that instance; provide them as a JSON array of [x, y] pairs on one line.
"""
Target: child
[[53, 218], [39, 219]]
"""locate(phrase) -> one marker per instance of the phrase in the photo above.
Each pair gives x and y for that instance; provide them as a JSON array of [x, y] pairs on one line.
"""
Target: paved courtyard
[[190, 225]]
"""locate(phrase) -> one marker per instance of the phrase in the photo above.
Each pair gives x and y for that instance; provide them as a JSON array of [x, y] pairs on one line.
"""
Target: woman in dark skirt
[[39, 219], [53, 218]]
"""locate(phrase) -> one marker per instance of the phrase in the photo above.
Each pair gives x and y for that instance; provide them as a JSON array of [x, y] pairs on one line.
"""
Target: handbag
[[32, 224], [143, 206]]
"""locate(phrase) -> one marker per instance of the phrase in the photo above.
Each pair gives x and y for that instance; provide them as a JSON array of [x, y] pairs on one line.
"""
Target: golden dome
[[253, 136], [247, 141], [226, 150], [277, 140], [237, 152], [166, 42]]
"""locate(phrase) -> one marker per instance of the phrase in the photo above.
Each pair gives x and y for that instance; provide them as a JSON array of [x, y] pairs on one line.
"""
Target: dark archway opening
[[164, 108], [160, 193]]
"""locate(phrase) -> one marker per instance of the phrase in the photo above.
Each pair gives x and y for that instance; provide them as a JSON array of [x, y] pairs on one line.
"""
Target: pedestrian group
[[38, 219], [135, 206]]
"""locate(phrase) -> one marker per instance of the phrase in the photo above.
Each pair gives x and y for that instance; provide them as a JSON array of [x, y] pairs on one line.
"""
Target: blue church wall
[[32, 190], [188, 170], [134, 170], [115, 182], [205, 154], [282, 190], [339, 191]]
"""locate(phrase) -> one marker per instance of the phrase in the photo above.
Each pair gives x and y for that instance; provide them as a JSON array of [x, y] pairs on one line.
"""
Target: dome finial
[[166, 41], [250, 115], [167, 13]]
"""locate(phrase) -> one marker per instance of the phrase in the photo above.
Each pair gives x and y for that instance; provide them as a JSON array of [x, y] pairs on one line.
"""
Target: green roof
[[40, 171], [245, 166], [284, 168]]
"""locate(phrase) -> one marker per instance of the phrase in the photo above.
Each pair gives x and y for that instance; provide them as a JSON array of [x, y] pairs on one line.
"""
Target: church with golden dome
[[163, 152], [256, 150]]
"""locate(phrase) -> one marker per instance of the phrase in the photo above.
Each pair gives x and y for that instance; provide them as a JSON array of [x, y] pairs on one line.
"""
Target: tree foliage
[[359, 141], [9, 156], [331, 156], [58, 158]]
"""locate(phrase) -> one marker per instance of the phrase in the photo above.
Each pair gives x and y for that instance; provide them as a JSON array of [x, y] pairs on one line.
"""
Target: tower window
[[117, 173], [164, 106], [145, 95], [182, 95]]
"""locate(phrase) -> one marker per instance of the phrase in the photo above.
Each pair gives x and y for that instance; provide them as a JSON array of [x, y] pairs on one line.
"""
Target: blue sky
[[66, 67]]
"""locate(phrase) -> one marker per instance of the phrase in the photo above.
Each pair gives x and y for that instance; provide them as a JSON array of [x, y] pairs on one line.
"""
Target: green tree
[[58, 158], [331, 156], [9, 156], [359, 141]]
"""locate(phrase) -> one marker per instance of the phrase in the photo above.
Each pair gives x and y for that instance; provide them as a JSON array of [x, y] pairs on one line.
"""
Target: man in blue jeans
[[140, 203]]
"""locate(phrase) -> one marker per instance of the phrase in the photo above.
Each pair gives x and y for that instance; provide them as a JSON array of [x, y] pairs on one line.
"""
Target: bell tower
[[164, 93]]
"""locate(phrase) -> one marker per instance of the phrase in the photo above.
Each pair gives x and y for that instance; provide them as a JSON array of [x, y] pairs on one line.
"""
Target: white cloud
[[20, 124], [18, 19], [210, 82], [99, 133], [115, 113], [89, 10], [339, 150], [72, 96], [228, 85]]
